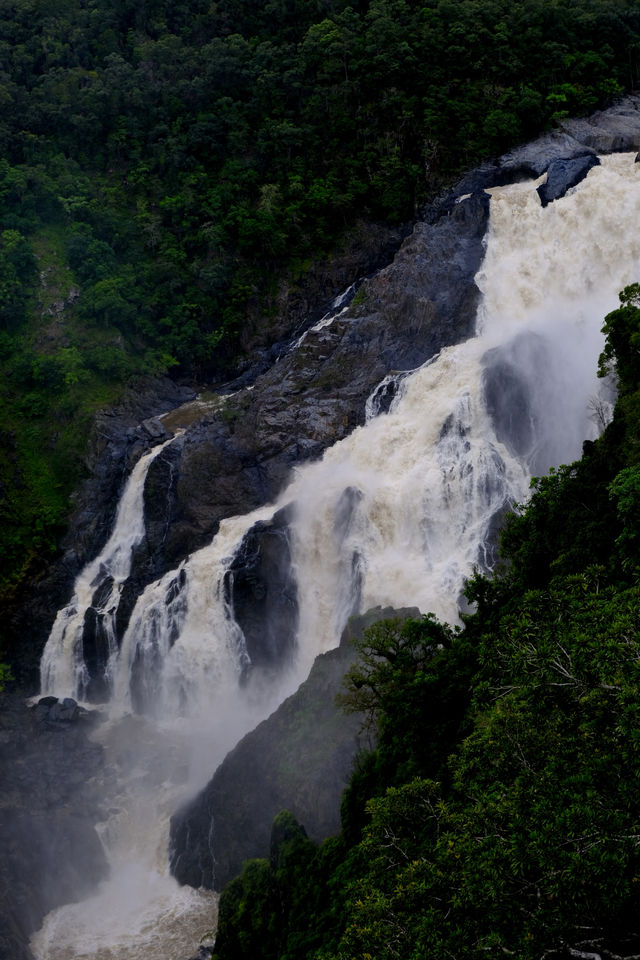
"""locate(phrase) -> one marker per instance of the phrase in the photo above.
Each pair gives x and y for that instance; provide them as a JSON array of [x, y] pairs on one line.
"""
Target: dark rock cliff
[[119, 437], [299, 759]]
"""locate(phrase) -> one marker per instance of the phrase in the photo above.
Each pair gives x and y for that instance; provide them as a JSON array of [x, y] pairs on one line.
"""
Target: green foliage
[[622, 347], [411, 679], [390, 653], [625, 493], [5, 676], [244, 916], [17, 268], [252, 904], [534, 838]]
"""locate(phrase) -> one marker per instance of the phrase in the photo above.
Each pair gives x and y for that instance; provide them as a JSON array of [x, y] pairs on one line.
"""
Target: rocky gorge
[[234, 450]]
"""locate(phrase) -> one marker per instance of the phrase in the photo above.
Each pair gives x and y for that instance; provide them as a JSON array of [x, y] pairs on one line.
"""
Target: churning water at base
[[399, 513], [139, 911]]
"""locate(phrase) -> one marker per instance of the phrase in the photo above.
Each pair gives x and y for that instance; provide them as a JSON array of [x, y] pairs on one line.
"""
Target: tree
[[622, 348]]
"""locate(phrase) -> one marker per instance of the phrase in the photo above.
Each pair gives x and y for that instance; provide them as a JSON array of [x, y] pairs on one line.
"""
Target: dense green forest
[[500, 813], [164, 166]]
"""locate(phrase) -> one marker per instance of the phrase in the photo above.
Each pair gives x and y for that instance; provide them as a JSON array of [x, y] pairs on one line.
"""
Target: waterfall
[[398, 513], [96, 592], [339, 306], [182, 642]]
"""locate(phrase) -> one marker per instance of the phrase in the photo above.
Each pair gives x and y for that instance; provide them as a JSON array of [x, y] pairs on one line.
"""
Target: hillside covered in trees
[[167, 170], [499, 814]]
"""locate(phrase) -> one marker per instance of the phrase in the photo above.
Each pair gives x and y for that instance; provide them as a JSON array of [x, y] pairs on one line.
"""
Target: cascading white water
[[338, 307], [62, 669], [401, 511], [183, 627]]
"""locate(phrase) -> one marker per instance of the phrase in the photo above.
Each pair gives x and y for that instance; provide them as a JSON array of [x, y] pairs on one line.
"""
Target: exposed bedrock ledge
[[299, 759]]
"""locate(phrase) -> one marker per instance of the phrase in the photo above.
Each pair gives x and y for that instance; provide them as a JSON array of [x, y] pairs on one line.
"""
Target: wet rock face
[[299, 759], [118, 440], [563, 174], [369, 246], [95, 645], [120, 437], [50, 799], [262, 592], [510, 376]]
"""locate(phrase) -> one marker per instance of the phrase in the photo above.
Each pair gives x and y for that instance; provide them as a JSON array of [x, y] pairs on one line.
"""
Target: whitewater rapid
[[399, 513]]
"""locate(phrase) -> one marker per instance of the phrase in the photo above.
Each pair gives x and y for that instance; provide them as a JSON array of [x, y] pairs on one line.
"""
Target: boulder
[[52, 711], [563, 174], [154, 429]]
